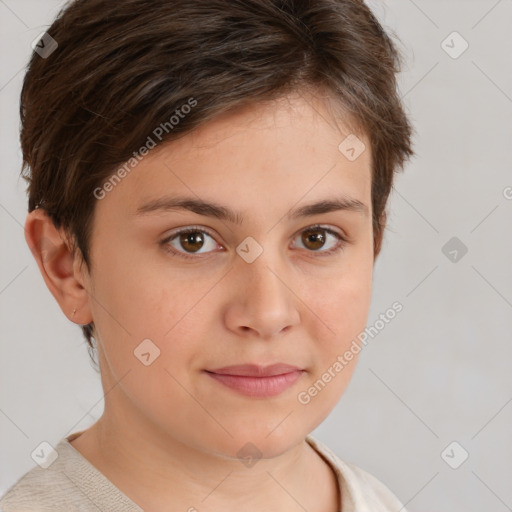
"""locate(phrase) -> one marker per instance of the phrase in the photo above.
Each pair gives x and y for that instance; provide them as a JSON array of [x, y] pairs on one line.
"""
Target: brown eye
[[316, 239], [313, 239], [192, 241], [189, 242]]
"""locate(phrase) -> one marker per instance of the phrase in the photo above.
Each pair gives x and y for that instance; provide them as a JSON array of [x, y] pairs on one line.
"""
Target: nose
[[262, 303]]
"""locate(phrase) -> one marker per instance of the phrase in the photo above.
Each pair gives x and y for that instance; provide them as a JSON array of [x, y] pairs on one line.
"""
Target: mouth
[[257, 381]]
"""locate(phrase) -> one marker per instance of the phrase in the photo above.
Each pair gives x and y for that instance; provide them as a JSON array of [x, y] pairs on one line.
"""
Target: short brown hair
[[120, 69]]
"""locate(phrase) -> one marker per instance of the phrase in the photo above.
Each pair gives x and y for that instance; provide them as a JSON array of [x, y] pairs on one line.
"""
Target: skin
[[169, 432]]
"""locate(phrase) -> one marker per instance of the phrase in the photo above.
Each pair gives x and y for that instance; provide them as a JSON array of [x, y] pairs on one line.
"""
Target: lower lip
[[258, 386]]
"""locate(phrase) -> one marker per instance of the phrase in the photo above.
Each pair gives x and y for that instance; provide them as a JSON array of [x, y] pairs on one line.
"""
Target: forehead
[[262, 154]]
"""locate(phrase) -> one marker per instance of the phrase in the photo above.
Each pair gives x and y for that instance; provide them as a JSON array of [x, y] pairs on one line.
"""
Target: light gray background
[[438, 373]]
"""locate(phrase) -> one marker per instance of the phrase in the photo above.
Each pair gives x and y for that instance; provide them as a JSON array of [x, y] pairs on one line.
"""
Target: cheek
[[340, 300], [340, 305], [345, 311], [148, 316], [134, 299]]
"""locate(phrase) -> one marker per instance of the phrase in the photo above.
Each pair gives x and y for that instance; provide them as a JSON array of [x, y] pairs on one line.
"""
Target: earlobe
[[55, 260]]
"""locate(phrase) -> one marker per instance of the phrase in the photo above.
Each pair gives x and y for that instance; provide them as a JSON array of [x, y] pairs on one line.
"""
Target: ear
[[61, 271], [377, 243]]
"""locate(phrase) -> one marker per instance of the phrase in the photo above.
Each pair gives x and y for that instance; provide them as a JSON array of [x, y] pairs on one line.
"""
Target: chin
[[258, 442]]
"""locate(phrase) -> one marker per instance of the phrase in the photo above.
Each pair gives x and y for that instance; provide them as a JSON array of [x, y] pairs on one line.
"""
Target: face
[[258, 286]]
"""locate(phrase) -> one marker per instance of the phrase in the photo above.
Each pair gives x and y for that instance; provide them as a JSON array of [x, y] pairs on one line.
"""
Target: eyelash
[[196, 229]]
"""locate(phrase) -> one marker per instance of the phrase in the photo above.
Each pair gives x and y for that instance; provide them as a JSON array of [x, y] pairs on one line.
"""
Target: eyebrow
[[211, 209]]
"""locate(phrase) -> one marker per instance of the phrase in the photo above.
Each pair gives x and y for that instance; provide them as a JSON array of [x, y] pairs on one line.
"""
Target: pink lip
[[257, 381]]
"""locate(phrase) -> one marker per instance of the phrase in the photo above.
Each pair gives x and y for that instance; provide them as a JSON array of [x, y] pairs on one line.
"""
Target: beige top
[[71, 483]]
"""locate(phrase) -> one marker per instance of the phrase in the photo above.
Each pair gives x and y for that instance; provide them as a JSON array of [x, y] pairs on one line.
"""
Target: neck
[[154, 471]]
